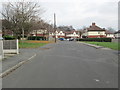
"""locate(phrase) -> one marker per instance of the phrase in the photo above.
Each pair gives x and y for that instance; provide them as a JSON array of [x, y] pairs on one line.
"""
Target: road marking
[[15, 67], [96, 80], [32, 57]]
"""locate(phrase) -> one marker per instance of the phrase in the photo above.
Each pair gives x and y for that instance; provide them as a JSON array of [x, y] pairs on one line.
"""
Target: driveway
[[67, 65]]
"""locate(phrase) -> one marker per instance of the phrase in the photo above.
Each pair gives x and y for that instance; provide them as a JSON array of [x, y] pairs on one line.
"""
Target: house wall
[[96, 34], [72, 35], [110, 36], [117, 35], [39, 32], [61, 34]]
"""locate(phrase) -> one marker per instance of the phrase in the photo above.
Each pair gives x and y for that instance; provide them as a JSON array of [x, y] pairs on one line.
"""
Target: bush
[[95, 39], [36, 38], [9, 37]]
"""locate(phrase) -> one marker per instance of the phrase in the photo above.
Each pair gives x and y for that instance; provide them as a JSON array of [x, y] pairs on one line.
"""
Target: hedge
[[95, 39], [8, 37], [36, 38]]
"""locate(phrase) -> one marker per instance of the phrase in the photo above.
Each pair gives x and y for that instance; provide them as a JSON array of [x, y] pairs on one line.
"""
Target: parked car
[[67, 39], [71, 39], [61, 39]]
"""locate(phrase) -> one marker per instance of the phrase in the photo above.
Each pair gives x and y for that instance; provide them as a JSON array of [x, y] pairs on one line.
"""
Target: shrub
[[9, 37], [95, 39], [36, 38]]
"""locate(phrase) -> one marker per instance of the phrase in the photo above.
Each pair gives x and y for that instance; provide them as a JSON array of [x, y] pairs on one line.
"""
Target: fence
[[1, 49], [10, 46]]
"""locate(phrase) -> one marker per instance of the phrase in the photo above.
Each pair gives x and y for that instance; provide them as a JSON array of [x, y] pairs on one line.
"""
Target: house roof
[[71, 32], [95, 28], [109, 32], [117, 32]]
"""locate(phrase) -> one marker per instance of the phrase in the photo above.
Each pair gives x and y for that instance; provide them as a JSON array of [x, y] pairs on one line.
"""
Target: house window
[[98, 32]]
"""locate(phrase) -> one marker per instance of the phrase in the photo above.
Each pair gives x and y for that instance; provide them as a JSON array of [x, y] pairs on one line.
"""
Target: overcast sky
[[79, 13]]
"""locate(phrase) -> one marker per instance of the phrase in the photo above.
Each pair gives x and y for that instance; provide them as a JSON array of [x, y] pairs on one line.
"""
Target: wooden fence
[[10, 46]]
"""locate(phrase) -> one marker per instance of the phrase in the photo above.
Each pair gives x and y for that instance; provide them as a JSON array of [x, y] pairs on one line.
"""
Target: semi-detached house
[[95, 31]]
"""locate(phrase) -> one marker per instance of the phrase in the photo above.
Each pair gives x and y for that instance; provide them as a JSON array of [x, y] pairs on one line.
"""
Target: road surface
[[67, 65]]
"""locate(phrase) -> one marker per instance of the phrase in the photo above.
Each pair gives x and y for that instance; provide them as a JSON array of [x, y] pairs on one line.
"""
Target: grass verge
[[112, 45], [32, 44]]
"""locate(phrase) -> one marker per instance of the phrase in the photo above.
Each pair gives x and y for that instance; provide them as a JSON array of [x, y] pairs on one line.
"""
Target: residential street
[[67, 64]]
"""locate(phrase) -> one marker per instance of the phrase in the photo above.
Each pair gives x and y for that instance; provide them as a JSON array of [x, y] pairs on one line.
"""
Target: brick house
[[94, 32], [65, 34], [72, 34], [39, 32]]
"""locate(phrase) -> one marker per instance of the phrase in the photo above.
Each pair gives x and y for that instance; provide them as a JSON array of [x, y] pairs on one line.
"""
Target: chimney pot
[[93, 24]]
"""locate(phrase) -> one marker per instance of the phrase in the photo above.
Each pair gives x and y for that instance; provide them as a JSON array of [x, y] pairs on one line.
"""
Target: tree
[[110, 29], [21, 16], [66, 28]]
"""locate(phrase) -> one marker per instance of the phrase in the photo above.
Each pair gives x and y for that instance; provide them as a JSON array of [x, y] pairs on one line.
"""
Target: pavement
[[13, 61], [63, 65], [95, 46]]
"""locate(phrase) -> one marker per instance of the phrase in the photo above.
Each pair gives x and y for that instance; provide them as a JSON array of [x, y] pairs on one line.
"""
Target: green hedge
[[36, 38], [95, 39], [8, 37]]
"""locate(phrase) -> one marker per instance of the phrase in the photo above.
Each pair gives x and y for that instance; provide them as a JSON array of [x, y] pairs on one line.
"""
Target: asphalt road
[[67, 65]]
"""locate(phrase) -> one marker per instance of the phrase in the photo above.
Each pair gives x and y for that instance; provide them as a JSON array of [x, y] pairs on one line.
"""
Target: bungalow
[[94, 32]]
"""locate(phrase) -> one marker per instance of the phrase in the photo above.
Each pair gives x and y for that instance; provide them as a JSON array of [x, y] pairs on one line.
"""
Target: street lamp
[[55, 26]]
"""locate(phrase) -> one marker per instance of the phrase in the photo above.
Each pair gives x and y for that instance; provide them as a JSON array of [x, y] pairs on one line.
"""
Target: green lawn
[[27, 44], [111, 45]]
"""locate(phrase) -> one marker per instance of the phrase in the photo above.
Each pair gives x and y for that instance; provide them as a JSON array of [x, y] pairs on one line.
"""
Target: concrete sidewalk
[[12, 62], [95, 46]]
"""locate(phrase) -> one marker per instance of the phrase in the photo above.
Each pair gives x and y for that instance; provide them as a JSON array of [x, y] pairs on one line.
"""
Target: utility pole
[[22, 23], [55, 26]]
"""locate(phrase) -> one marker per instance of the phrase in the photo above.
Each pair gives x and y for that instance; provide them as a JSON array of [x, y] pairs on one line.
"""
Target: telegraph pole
[[55, 26]]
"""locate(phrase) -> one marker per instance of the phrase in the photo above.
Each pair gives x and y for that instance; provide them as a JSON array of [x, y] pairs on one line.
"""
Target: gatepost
[[1, 45]]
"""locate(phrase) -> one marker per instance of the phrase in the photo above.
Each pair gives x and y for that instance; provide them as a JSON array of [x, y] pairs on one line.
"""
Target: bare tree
[[110, 29], [21, 15]]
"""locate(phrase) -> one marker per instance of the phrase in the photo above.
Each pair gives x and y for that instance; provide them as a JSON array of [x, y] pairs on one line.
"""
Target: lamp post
[[55, 26]]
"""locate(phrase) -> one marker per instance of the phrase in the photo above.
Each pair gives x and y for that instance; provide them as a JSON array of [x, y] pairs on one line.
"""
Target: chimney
[[103, 28], [93, 24]]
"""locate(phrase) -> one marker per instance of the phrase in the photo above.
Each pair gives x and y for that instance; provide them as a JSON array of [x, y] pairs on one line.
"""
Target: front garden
[[32, 43], [112, 45], [105, 42]]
